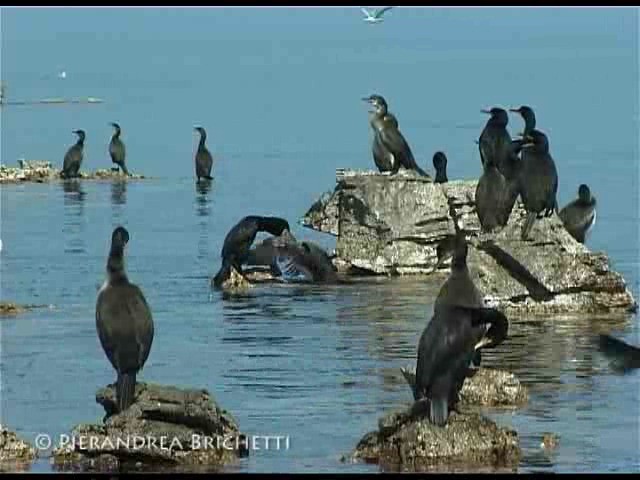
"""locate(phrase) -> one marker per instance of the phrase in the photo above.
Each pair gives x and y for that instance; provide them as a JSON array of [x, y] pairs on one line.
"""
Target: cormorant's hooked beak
[[484, 110], [514, 110], [367, 99]]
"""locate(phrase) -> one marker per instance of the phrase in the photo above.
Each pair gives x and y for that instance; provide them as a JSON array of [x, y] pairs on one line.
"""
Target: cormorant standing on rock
[[440, 165], [494, 198], [579, 216], [390, 149], [538, 179], [117, 150], [235, 250], [446, 348], [123, 321], [495, 143], [73, 157], [529, 118], [204, 160]]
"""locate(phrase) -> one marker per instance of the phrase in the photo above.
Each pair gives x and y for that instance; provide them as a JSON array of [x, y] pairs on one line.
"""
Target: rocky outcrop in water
[[10, 308], [484, 387], [15, 453], [411, 442], [389, 225], [165, 428], [41, 172]]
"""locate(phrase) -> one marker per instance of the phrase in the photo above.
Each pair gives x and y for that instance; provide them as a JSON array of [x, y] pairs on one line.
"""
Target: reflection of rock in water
[[203, 209], [73, 228]]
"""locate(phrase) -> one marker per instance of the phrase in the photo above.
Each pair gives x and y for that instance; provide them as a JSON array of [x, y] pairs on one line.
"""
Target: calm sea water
[[279, 93]]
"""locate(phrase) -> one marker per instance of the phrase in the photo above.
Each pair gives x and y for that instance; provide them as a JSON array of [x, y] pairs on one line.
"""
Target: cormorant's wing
[[139, 309], [379, 12], [582, 221], [393, 140], [366, 12]]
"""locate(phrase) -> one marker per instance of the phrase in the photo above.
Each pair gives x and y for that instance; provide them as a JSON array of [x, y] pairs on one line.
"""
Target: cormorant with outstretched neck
[[73, 157], [123, 321], [446, 348], [390, 149], [579, 216], [494, 198], [495, 143], [204, 160], [538, 179], [529, 118], [440, 165], [459, 289], [117, 150], [235, 250]]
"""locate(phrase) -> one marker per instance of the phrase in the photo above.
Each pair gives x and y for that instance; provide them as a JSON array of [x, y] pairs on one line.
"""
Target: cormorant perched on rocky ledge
[[579, 216], [204, 160], [440, 165], [235, 250], [73, 157], [123, 321], [117, 150], [494, 197], [495, 143], [390, 149]]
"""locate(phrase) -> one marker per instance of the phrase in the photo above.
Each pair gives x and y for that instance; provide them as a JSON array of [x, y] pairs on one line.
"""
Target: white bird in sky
[[375, 16]]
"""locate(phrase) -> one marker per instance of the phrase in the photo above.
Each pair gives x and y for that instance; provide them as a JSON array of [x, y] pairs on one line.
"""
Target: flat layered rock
[[15, 453], [42, 171], [392, 224], [412, 443], [166, 428]]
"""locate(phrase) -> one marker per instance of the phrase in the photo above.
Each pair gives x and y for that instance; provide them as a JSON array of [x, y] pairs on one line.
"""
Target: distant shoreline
[[54, 101]]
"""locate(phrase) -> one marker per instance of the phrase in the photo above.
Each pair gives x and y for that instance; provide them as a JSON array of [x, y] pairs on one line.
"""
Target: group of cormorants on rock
[[461, 324]]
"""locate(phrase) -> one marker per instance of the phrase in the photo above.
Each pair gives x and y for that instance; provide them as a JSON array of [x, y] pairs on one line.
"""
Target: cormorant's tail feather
[[439, 411], [208, 177], [125, 390], [526, 228]]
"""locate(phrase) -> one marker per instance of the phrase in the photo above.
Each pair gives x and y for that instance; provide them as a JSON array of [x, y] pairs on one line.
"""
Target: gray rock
[[42, 171], [485, 387], [413, 443], [15, 453], [390, 225], [165, 428]]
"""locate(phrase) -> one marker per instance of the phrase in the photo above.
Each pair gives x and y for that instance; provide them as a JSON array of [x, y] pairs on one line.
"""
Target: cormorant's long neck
[[115, 264], [80, 142], [529, 125], [116, 134], [203, 138]]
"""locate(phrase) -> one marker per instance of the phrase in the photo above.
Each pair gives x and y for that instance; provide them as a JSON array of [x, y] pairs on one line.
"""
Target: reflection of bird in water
[[118, 192], [203, 210], [73, 192], [73, 200], [202, 198]]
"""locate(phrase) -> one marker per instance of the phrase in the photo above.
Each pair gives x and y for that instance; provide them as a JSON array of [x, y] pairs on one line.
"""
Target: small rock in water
[[549, 441], [15, 453], [236, 282], [9, 308]]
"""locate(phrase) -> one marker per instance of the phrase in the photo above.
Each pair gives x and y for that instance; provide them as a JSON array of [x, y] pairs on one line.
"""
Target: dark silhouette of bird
[[117, 150], [579, 216], [495, 143], [73, 157], [494, 197], [123, 321], [204, 160], [624, 357], [529, 118], [440, 166]]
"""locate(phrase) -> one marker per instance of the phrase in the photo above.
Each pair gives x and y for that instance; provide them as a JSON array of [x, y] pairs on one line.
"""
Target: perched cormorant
[[538, 179], [529, 118], [235, 250], [73, 157], [458, 289], [204, 160], [117, 151], [579, 216], [440, 165], [495, 143], [624, 357], [446, 348], [494, 198], [123, 321], [390, 149]]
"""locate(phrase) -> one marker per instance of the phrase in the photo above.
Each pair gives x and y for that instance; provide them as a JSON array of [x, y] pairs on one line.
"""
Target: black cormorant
[[624, 357], [494, 198], [390, 149], [579, 216], [117, 151], [446, 348], [495, 143], [123, 321], [204, 160], [538, 179], [440, 165], [529, 118], [73, 157], [235, 250]]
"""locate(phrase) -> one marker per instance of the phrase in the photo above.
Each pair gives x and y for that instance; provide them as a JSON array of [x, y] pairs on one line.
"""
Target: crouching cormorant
[[235, 250], [73, 157], [440, 165], [204, 160], [390, 149], [579, 216], [117, 150], [624, 357], [123, 321], [538, 180], [495, 143], [447, 346]]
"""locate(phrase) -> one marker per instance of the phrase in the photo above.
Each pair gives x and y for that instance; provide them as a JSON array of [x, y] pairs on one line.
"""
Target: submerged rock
[[41, 171], [392, 224], [165, 428], [414, 443], [15, 453], [484, 387]]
